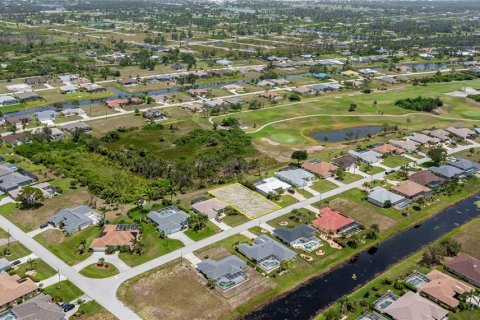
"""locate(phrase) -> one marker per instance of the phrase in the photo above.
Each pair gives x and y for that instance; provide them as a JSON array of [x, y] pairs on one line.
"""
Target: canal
[[307, 300]]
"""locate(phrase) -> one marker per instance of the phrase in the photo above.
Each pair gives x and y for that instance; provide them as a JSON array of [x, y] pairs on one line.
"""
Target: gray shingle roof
[[289, 235], [72, 218], [366, 156], [464, 164], [446, 171], [298, 177], [216, 269], [382, 195], [4, 264], [14, 180], [265, 247], [38, 308], [169, 219]]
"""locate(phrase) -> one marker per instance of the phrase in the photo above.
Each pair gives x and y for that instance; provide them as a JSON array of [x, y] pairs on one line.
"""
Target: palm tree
[[82, 246], [101, 261], [32, 264]]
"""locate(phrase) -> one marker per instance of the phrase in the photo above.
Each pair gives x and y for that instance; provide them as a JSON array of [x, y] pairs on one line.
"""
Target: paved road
[[104, 290]]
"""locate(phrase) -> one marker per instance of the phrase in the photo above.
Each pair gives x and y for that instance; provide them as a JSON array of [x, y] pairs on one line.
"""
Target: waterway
[[307, 300], [342, 134]]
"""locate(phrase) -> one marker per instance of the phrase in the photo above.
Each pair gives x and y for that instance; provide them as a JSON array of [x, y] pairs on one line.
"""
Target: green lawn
[[235, 220], [209, 230], [371, 170], [228, 244], [66, 246], [323, 185], [64, 291], [93, 271], [91, 310], [304, 192], [42, 270], [17, 250], [285, 200], [395, 161], [306, 217], [350, 177]]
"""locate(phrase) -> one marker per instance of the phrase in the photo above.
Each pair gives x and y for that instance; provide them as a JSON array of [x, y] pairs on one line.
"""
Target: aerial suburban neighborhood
[[204, 159]]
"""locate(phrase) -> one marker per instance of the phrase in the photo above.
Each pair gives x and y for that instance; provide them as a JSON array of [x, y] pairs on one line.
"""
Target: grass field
[[285, 200], [395, 161], [91, 310], [209, 230], [94, 271], [323, 185], [235, 220], [64, 291]]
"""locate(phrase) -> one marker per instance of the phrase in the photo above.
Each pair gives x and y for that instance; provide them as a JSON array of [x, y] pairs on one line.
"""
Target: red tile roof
[[331, 220]]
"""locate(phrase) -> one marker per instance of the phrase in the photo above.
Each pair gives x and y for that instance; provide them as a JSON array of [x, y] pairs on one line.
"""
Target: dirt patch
[[270, 142], [215, 253], [54, 236], [151, 295]]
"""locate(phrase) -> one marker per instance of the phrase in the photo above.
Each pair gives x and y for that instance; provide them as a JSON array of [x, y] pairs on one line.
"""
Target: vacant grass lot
[[285, 200], [94, 271], [395, 161], [64, 291], [235, 220], [66, 247], [42, 270], [350, 177], [91, 310], [323, 185], [209, 230]]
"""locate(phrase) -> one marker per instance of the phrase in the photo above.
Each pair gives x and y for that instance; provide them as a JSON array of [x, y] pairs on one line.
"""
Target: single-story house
[[330, 220], [266, 252], [355, 83], [233, 87], [72, 220], [92, 87], [412, 190], [68, 89], [413, 306], [448, 172], [21, 87], [70, 127], [121, 103], [55, 133], [440, 134], [35, 81], [154, 114], [302, 90], [426, 178], [197, 92], [161, 98], [68, 78], [14, 180], [128, 82], [176, 67], [12, 289], [382, 197], [371, 315], [7, 100], [46, 116], [301, 236], [4, 265], [115, 236], [423, 139], [402, 78], [464, 133], [234, 101], [297, 177], [18, 120], [15, 139], [213, 103], [466, 165], [226, 273], [387, 148], [72, 112], [224, 62], [444, 288], [211, 207], [265, 83], [389, 80], [271, 185], [466, 267], [280, 81], [368, 71], [408, 145], [193, 107], [169, 220], [271, 95], [40, 307], [367, 156], [349, 73], [320, 168], [25, 96], [345, 162]]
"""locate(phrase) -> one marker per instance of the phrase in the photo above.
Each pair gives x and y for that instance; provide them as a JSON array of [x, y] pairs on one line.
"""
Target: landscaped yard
[[371, 170], [42, 270], [209, 230], [17, 250], [63, 291], [66, 247], [350, 177], [98, 272], [91, 310], [323, 185], [235, 220], [395, 161], [294, 218], [285, 200]]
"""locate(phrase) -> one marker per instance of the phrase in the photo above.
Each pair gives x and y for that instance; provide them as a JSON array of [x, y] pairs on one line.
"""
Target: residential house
[[301, 236], [22, 87], [153, 114], [13, 180], [448, 172], [412, 190], [280, 82], [15, 139], [368, 71], [92, 87], [383, 198], [302, 90], [265, 83], [224, 62], [115, 236], [40, 307], [193, 107], [47, 116], [68, 89], [36, 81], [465, 267], [68, 78], [7, 101], [122, 103], [297, 177], [407, 145], [18, 120], [463, 133], [271, 185], [161, 98], [70, 127], [4, 265], [71, 220], [226, 273], [423, 139], [389, 80], [55, 133], [330, 220], [234, 101], [27, 96], [402, 78], [445, 289], [128, 82], [440, 134], [349, 73], [214, 103], [233, 87], [426, 178], [346, 162], [370, 315], [387, 148], [355, 83], [413, 306], [321, 168], [367, 156], [169, 220], [470, 167], [72, 112], [176, 67], [211, 207], [266, 252], [198, 92], [12, 288], [270, 95]]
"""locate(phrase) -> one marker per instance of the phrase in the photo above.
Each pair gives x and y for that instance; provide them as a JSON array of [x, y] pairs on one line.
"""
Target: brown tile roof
[[110, 236], [344, 161], [269, 94], [425, 177], [413, 306], [465, 265], [11, 289], [444, 288], [410, 189], [388, 148], [323, 169]]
